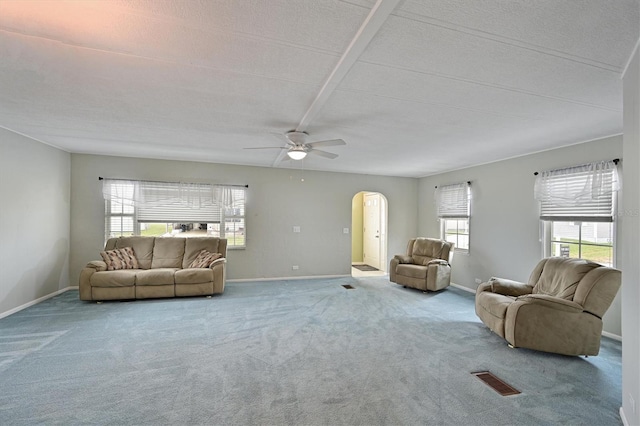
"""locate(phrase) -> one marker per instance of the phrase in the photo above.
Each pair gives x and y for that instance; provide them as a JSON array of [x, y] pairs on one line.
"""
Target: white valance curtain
[[453, 200], [580, 193], [175, 201]]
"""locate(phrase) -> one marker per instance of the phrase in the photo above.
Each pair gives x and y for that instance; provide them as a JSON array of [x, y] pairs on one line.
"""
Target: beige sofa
[[162, 270], [559, 310], [425, 266]]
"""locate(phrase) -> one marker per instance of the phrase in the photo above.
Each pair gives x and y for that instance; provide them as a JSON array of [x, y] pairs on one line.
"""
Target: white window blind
[[581, 193], [453, 200], [176, 201]]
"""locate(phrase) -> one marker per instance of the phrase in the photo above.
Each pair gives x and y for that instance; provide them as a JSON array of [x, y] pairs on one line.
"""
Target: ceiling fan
[[297, 148]]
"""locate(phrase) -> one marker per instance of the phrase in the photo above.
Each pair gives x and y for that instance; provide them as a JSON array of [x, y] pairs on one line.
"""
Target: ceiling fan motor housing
[[297, 138]]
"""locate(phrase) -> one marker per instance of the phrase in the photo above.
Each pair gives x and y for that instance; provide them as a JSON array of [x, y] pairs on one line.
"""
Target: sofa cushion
[[168, 252], [122, 258], [560, 276], [142, 247], [194, 276], [124, 278], [194, 246], [412, 271], [204, 259], [494, 303], [158, 276]]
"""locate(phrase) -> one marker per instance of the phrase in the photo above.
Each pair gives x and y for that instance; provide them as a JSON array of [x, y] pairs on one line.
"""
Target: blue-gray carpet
[[306, 352]]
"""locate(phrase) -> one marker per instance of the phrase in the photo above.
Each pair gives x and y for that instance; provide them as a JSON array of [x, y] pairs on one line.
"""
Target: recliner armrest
[[403, 258], [509, 287], [551, 302], [438, 262], [98, 265]]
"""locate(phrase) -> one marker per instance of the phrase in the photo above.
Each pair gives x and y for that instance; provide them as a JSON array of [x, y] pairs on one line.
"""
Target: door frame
[[384, 227]]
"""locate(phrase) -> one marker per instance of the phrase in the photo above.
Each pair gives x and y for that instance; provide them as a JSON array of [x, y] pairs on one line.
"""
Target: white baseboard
[[310, 277], [612, 336], [461, 287], [35, 302], [624, 419]]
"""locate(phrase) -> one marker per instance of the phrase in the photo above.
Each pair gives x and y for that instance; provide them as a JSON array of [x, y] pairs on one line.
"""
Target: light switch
[[296, 229]]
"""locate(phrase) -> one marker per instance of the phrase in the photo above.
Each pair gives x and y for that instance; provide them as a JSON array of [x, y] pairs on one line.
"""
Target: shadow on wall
[[49, 275]]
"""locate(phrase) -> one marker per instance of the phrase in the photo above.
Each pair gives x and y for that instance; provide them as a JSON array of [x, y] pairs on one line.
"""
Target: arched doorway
[[369, 234]]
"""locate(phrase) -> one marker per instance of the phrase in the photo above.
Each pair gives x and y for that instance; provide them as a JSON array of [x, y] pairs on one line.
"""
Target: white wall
[[504, 224], [34, 216], [277, 200], [630, 248]]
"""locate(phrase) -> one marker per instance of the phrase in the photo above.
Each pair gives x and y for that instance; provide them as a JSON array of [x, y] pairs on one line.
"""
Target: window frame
[[443, 205], [443, 233], [238, 215], [548, 240], [593, 187]]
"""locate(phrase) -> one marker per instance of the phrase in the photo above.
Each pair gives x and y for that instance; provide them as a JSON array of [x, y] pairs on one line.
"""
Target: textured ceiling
[[413, 87]]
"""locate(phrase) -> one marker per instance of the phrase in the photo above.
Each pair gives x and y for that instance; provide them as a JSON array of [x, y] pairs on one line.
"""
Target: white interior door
[[371, 230]]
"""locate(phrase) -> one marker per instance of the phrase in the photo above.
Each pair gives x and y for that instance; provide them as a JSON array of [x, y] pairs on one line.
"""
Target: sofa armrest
[[509, 287], [484, 287], [98, 265], [550, 302], [403, 258]]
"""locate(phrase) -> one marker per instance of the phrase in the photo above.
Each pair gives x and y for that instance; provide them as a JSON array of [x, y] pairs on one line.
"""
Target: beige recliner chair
[[559, 310], [425, 266]]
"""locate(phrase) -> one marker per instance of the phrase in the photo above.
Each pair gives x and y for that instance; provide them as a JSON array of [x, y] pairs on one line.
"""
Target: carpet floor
[[306, 352]]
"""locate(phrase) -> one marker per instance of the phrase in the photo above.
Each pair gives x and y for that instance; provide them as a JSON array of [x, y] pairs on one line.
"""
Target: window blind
[[176, 201], [453, 201], [584, 193]]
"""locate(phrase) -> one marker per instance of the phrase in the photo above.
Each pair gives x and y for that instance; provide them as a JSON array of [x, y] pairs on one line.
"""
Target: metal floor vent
[[348, 286], [496, 384]]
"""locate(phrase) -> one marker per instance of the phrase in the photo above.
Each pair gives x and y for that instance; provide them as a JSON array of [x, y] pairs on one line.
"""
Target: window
[[453, 212], [584, 240], [172, 209], [577, 207]]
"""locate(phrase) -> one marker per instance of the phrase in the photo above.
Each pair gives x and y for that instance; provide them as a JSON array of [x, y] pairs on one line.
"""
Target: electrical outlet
[[296, 229], [295, 267], [478, 281], [345, 230]]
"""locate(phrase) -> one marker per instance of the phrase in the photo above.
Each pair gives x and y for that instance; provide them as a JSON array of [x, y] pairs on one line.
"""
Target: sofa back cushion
[[194, 246], [560, 276], [142, 248], [168, 252], [426, 249]]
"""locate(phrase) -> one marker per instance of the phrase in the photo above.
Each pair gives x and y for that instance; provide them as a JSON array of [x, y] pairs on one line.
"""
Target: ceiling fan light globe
[[296, 155]]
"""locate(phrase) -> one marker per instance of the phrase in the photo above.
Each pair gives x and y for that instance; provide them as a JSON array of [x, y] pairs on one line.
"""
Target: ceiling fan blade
[[269, 147], [331, 142], [324, 154], [283, 138]]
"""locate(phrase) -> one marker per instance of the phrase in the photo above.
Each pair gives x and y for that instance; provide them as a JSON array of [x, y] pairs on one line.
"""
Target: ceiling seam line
[[167, 61], [519, 44], [416, 101], [313, 49], [492, 85]]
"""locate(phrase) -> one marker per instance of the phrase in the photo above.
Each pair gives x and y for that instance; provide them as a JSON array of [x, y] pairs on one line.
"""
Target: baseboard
[[35, 302], [612, 336], [310, 277], [623, 418], [461, 287]]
